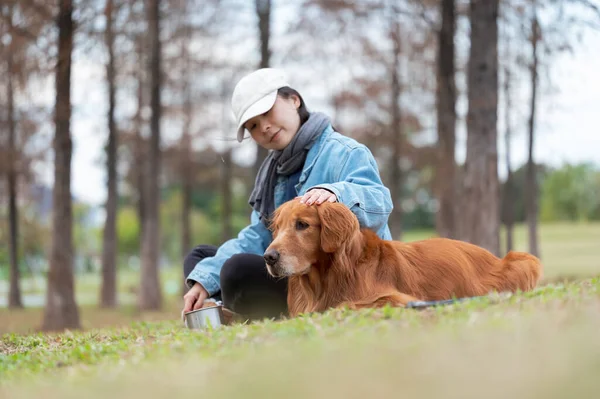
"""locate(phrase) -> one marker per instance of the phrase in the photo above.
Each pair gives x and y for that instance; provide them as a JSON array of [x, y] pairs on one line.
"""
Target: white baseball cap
[[255, 94]]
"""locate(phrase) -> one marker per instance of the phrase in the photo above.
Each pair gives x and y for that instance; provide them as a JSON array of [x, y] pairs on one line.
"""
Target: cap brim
[[258, 108]]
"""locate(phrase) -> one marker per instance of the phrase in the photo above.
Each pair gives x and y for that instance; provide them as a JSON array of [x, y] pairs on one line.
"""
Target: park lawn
[[567, 250], [29, 320], [539, 344]]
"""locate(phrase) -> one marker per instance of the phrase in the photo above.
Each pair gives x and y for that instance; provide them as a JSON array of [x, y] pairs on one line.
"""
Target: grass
[[539, 344], [28, 320], [568, 250]]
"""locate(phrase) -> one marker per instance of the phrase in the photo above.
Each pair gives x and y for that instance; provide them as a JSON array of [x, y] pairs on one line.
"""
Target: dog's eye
[[300, 225]]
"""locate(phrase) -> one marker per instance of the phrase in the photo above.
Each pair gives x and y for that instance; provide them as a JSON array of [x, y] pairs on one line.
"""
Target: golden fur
[[331, 262]]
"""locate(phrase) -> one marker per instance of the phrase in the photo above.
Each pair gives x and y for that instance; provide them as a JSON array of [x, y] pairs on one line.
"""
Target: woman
[[307, 159]]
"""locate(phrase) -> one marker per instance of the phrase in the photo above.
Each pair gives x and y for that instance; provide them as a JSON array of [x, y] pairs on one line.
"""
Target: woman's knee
[[196, 255], [233, 269], [248, 289]]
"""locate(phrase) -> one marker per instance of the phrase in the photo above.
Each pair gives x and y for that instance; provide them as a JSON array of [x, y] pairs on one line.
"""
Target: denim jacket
[[335, 162]]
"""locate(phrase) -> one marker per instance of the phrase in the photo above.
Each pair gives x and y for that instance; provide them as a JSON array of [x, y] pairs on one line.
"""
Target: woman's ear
[[296, 101], [338, 225]]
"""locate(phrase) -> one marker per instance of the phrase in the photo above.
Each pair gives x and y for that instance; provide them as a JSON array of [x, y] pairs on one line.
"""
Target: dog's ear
[[338, 225]]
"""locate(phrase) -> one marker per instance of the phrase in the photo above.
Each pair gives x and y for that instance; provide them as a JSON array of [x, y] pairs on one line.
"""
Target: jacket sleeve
[[360, 188], [252, 239]]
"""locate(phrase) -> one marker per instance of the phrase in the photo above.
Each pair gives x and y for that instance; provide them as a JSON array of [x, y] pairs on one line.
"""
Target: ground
[[539, 344]]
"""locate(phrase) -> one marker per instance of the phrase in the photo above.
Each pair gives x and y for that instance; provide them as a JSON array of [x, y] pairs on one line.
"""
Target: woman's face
[[275, 128]]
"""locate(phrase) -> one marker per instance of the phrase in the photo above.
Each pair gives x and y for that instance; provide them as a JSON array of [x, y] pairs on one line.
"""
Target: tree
[[187, 173], [150, 290], [531, 185], [563, 20], [61, 309], [379, 50], [508, 191], [14, 296], [480, 212], [509, 195], [22, 58], [263, 11], [226, 177], [187, 164], [396, 129], [445, 174], [139, 143], [108, 297]]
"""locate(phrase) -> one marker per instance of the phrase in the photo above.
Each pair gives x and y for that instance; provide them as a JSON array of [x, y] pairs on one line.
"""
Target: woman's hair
[[287, 92]]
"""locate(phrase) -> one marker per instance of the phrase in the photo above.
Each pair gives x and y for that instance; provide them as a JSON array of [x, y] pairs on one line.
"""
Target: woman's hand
[[194, 298], [318, 196]]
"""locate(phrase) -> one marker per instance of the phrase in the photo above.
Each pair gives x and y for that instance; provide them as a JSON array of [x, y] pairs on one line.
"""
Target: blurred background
[[118, 150]]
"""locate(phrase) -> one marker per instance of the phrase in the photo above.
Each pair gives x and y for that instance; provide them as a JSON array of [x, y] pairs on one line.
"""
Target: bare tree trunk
[[186, 229], [108, 298], [263, 10], [226, 175], [150, 293], [509, 206], [186, 187], [226, 171], [481, 211], [445, 180], [187, 178], [186, 147], [14, 296], [140, 145], [187, 167], [531, 188], [61, 309], [396, 130]]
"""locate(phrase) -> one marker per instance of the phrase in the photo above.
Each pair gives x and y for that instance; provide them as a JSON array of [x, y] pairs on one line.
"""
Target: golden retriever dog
[[330, 262]]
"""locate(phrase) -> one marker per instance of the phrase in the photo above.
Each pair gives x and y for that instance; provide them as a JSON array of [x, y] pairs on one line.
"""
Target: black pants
[[246, 287]]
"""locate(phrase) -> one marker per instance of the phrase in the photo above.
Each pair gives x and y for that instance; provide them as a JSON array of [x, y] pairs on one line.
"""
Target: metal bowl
[[209, 317]]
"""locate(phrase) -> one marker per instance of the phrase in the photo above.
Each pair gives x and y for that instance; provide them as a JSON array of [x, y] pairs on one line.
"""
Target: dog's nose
[[271, 257]]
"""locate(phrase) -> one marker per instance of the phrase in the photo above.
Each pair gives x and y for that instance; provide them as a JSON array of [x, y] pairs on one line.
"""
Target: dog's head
[[304, 234]]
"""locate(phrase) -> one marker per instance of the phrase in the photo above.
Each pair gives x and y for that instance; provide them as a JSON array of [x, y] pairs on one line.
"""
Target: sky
[[567, 127]]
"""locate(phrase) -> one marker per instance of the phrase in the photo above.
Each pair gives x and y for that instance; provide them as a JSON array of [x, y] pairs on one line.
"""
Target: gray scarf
[[284, 162]]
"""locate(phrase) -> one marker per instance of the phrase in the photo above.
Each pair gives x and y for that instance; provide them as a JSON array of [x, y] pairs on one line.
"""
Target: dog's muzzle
[[271, 257]]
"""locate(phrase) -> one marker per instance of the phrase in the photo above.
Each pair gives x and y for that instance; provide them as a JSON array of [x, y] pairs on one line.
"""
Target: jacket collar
[[314, 152]]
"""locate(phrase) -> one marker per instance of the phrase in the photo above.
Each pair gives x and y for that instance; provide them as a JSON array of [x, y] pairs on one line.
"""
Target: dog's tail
[[520, 271]]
